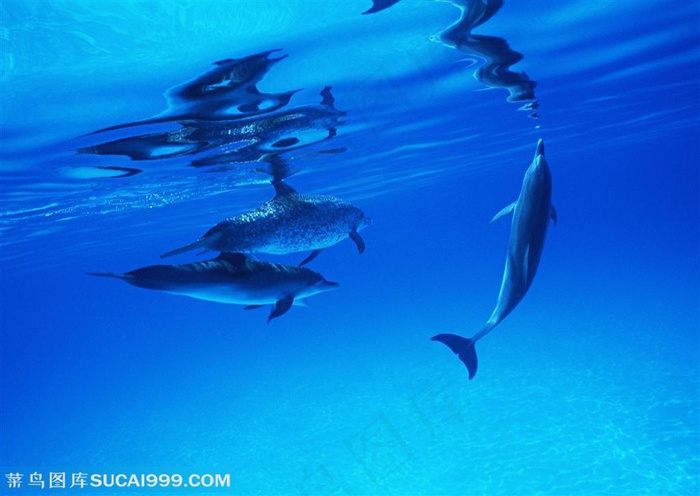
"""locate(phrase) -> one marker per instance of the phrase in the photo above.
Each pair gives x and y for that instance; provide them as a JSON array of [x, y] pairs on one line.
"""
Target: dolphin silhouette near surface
[[379, 5], [288, 223], [232, 278], [531, 214]]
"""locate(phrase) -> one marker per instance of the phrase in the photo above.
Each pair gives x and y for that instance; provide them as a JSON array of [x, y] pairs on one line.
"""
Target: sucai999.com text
[[82, 480]]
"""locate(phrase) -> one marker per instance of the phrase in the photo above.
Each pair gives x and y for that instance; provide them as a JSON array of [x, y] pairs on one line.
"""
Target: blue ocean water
[[425, 122]]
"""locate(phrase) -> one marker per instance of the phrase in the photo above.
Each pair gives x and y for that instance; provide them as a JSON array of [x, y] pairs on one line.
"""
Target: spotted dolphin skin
[[288, 223], [232, 278], [531, 214]]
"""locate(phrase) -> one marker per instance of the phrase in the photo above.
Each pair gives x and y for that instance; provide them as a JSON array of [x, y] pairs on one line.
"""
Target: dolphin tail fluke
[[104, 274], [197, 244], [463, 348]]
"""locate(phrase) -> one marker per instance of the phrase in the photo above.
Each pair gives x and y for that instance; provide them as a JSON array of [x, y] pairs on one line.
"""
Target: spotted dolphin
[[531, 214], [288, 223], [232, 278]]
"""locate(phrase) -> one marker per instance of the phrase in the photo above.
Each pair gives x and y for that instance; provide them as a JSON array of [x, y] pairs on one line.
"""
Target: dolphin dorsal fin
[[224, 61], [505, 211], [233, 258], [553, 214], [327, 98], [283, 189]]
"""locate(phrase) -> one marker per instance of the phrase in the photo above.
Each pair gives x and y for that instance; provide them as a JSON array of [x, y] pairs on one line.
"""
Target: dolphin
[[288, 223], [227, 91], [232, 278], [531, 214]]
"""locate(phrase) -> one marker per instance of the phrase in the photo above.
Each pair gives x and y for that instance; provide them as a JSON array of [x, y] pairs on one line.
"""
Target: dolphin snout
[[540, 148]]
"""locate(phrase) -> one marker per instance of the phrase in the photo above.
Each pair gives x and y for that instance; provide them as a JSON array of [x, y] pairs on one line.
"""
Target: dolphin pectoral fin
[[281, 307], [463, 348], [553, 214], [252, 307], [505, 211], [355, 236], [313, 255]]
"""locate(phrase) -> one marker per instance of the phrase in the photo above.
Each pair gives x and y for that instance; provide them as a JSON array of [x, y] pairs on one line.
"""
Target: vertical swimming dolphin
[[531, 214]]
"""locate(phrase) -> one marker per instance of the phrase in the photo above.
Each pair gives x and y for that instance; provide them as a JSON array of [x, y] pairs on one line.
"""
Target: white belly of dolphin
[[230, 295]]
